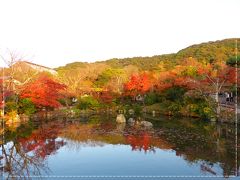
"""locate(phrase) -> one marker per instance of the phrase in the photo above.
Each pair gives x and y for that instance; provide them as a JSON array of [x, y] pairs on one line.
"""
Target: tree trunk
[[218, 105], [217, 102]]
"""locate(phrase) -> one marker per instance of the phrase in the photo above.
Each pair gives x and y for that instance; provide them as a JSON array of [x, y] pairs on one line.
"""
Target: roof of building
[[37, 65]]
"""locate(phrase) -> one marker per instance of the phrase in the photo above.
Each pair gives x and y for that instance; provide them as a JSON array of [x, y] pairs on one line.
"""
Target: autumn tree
[[111, 79], [233, 61], [80, 78], [14, 76], [172, 78], [215, 77], [138, 84], [105, 97], [198, 79], [208, 78], [16, 72], [43, 92]]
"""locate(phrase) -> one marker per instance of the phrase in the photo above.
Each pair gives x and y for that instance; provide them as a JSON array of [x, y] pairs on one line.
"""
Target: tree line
[[181, 83]]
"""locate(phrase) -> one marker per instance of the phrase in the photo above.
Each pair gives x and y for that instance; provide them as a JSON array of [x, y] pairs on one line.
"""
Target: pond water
[[98, 146]]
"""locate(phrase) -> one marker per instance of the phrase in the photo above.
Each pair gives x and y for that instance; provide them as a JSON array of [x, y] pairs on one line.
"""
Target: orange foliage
[[138, 84], [173, 78], [44, 92], [192, 74], [105, 97], [218, 71]]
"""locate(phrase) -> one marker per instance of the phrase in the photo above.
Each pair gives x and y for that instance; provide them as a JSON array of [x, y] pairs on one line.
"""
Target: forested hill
[[208, 52]]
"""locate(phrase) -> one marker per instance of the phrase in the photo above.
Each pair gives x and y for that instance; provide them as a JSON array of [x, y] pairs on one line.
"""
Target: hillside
[[83, 75], [209, 51]]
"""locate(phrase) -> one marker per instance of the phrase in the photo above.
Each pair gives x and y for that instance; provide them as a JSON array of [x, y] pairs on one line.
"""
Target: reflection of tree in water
[[207, 168], [140, 142], [26, 155], [196, 142], [18, 163], [203, 143], [43, 141]]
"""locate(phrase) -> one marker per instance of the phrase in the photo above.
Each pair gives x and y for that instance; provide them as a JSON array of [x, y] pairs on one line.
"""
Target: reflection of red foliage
[[44, 92], [140, 142], [42, 142]]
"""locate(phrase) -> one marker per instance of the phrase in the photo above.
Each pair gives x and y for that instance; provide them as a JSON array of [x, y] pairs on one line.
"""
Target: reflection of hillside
[[87, 133], [93, 136]]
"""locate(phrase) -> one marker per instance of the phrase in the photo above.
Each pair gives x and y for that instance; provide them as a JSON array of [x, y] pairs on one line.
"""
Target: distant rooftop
[[37, 65]]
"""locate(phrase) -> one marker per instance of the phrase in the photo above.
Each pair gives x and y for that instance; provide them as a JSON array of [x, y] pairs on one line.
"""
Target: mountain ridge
[[206, 51]]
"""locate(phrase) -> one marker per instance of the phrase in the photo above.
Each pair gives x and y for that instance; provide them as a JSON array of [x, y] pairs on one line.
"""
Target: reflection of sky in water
[[121, 160]]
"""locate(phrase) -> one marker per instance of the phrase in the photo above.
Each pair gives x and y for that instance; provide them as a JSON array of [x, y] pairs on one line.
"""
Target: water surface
[[98, 146]]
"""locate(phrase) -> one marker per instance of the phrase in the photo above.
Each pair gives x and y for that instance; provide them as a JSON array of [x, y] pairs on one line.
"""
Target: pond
[[97, 146]]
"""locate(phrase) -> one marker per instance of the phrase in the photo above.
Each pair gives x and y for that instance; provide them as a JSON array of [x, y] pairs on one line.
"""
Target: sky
[[55, 32]]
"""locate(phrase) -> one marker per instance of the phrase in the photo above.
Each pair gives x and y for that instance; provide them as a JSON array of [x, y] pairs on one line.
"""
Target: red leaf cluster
[[218, 71], [44, 92], [138, 84], [170, 79], [106, 97]]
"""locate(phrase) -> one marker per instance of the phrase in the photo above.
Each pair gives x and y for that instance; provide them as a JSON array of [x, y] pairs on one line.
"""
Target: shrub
[[175, 108], [201, 107], [137, 109], [11, 106], [105, 97], [175, 93], [26, 107], [151, 98], [12, 116], [62, 102], [88, 102]]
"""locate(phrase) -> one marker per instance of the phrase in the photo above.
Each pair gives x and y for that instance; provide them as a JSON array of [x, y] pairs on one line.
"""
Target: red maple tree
[[138, 84], [44, 92], [169, 79]]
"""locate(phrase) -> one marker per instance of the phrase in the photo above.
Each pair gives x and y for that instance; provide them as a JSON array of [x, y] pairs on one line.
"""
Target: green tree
[[233, 60], [26, 106], [88, 102]]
